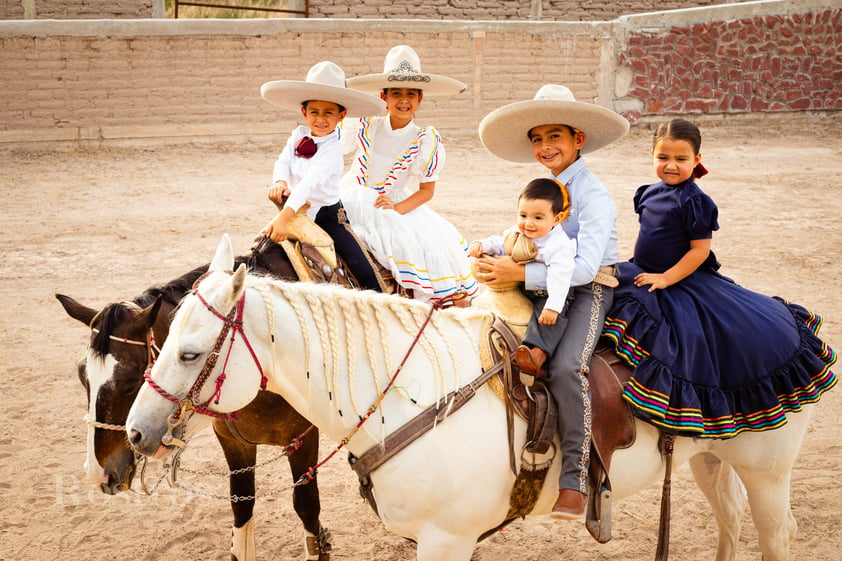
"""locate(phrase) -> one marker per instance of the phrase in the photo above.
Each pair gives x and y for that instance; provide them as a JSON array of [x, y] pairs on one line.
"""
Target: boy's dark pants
[[569, 345], [332, 220]]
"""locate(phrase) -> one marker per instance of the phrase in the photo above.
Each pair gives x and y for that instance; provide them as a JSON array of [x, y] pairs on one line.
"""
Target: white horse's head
[[206, 368]]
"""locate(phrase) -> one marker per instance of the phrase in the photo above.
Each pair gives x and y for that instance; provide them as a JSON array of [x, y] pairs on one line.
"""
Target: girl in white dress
[[393, 174]]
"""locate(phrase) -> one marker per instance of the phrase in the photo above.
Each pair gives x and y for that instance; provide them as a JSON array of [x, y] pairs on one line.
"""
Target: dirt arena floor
[[103, 224]]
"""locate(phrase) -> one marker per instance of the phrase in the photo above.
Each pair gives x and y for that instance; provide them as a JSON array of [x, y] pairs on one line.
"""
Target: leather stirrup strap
[[501, 341], [663, 550]]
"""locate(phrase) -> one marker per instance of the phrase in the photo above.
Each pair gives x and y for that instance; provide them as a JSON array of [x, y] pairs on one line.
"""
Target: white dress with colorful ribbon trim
[[423, 250]]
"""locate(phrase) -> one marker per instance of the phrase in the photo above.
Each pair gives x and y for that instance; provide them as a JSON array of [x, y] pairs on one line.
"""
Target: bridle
[[233, 320], [152, 352], [189, 404]]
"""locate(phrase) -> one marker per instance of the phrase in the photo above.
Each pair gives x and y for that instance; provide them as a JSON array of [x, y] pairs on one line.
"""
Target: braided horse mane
[[264, 258], [366, 317]]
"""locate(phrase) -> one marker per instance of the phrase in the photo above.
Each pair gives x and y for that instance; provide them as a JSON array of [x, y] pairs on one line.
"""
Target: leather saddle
[[313, 257]]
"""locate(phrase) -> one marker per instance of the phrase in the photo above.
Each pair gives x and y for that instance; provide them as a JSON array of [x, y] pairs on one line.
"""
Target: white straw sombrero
[[326, 82], [402, 69], [505, 131]]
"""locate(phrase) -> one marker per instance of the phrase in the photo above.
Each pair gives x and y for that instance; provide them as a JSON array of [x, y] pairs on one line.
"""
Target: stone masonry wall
[[774, 62], [146, 80]]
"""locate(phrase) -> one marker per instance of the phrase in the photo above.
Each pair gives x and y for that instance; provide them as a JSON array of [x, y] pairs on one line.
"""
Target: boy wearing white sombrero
[[309, 168], [555, 129]]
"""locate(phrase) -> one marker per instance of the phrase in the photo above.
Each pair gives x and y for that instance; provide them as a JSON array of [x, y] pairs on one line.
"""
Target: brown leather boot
[[531, 361], [570, 505]]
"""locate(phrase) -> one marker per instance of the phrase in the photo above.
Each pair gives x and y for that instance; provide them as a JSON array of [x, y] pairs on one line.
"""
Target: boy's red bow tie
[[305, 147]]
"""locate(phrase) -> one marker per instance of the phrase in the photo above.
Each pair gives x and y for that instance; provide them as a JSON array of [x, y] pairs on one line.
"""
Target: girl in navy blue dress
[[710, 358]]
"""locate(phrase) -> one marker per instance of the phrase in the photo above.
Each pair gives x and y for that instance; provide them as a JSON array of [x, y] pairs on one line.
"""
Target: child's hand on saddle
[[548, 317], [277, 229], [654, 280], [499, 270], [383, 201]]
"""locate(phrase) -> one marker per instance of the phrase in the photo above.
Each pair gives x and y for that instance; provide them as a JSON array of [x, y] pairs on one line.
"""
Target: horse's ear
[[238, 282], [150, 313], [230, 296], [224, 258], [76, 310]]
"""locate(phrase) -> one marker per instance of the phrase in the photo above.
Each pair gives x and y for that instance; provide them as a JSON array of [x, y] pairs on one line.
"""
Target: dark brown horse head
[[124, 337], [118, 353]]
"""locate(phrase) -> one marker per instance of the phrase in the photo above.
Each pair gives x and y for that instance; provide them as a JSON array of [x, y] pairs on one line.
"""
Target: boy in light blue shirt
[[555, 129]]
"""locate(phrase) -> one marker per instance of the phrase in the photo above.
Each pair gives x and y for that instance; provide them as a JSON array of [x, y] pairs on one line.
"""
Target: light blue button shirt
[[592, 221]]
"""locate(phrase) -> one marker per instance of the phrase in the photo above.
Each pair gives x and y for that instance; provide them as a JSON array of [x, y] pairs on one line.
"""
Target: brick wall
[[536, 10], [77, 9], [106, 81], [147, 80]]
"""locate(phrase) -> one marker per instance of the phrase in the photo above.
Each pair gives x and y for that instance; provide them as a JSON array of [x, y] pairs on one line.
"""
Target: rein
[[97, 425], [310, 474], [172, 467]]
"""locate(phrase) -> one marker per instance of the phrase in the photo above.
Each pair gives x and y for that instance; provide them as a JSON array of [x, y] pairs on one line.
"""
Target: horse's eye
[[189, 357]]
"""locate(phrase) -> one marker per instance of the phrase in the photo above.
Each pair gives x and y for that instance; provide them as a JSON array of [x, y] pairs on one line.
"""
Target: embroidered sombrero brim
[[292, 93], [505, 131]]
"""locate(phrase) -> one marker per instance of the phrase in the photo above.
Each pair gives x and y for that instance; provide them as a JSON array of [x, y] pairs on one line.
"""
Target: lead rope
[[310, 474]]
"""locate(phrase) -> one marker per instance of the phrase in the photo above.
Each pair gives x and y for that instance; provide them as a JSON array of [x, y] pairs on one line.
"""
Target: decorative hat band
[[408, 78]]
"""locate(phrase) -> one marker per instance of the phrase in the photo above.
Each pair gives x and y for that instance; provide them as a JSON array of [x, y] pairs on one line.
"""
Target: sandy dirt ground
[[103, 224]]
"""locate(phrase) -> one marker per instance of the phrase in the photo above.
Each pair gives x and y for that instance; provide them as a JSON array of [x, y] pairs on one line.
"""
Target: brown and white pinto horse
[[124, 337]]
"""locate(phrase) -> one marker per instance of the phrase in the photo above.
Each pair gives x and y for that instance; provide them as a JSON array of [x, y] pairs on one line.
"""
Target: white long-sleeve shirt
[[557, 251], [313, 179]]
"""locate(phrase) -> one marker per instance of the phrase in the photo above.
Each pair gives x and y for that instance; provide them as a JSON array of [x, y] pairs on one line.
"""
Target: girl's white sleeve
[[349, 133], [431, 156]]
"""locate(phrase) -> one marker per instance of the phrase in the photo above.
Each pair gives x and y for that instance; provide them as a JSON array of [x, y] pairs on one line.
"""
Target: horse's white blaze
[[333, 353], [99, 372]]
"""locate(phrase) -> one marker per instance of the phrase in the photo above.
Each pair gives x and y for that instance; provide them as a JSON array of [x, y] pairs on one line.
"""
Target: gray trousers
[[570, 344]]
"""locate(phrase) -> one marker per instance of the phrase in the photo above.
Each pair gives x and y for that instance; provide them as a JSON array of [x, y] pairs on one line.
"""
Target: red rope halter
[[232, 323]]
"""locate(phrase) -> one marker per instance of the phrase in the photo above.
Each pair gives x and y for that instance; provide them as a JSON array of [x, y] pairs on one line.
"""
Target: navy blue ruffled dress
[[710, 358]]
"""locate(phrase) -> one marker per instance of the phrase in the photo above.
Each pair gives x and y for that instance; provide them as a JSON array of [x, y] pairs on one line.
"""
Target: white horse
[[331, 353]]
